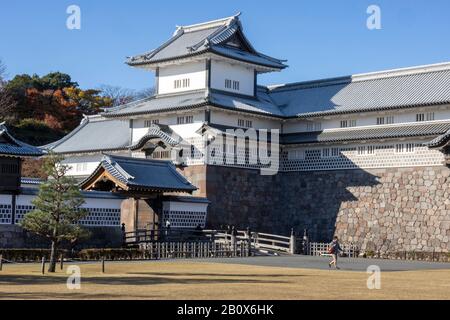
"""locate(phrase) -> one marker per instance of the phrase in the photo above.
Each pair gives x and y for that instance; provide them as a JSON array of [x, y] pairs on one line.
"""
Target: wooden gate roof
[[133, 175]]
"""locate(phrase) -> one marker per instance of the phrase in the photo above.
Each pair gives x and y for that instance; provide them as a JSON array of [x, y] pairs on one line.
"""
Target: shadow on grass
[[73, 295], [22, 280], [216, 275]]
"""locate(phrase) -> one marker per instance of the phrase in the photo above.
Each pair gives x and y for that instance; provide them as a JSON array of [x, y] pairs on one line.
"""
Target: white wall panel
[[195, 72], [222, 70]]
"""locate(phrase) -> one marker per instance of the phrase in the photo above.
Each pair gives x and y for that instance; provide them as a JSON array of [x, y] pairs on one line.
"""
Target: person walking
[[167, 227], [334, 249]]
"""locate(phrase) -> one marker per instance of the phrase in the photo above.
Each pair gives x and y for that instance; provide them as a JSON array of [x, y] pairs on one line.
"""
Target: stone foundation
[[395, 210], [386, 210], [13, 236]]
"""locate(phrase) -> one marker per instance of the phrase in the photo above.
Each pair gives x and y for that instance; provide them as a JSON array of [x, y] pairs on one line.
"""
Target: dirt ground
[[204, 280]]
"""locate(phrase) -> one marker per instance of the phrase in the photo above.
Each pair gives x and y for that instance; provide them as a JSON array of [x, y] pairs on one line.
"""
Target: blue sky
[[318, 38]]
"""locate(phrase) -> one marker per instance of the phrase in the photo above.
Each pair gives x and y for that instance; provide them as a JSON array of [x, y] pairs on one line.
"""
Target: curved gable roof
[[10, 146], [134, 174], [213, 37]]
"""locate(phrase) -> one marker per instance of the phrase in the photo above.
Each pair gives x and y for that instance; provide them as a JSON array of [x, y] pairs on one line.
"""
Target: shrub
[[111, 254], [27, 255]]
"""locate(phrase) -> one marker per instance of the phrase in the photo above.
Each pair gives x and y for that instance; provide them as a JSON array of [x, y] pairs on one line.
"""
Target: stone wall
[[244, 198], [13, 236], [407, 210], [396, 209]]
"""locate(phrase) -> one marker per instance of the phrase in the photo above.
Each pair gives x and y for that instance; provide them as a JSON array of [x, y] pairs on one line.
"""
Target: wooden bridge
[[202, 243]]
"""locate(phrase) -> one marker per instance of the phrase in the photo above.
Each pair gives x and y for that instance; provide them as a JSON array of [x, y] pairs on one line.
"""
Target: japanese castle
[[362, 156]]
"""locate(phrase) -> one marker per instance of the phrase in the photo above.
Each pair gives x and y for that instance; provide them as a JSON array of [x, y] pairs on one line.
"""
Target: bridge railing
[[255, 240], [321, 249]]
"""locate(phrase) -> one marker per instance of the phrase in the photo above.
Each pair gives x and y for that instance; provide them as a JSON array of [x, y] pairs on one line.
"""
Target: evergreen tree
[[58, 208]]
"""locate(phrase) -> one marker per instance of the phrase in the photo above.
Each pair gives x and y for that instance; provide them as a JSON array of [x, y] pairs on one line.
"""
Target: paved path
[[352, 264], [303, 262]]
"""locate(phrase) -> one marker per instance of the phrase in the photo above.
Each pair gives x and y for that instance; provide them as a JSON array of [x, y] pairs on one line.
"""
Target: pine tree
[[57, 208]]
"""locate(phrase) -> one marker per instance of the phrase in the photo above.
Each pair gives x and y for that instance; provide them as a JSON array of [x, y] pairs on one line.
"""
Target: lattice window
[[5, 213], [182, 83], [420, 117], [180, 120], [335, 152], [410, 147], [185, 119], [102, 217], [149, 123], [162, 154], [81, 167], [9, 168], [375, 156], [399, 148], [21, 211], [361, 151], [185, 219], [313, 126], [312, 154], [98, 217]]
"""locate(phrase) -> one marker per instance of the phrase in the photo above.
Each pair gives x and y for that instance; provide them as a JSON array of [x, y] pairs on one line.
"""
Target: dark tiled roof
[[34, 191], [203, 38], [440, 141], [31, 181], [371, 133], [187, 199], [262, 104], [402, 88], [160, 103], [158, 131], [9, 146], [94, 135], [144, 174]]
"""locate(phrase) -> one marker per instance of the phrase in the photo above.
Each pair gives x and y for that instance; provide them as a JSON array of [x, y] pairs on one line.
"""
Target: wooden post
[[249, 242], [233, 242], [1, 262], [158, 250], [43, 265], [61, 261], [124, 236], [292, 242], [103, 264]]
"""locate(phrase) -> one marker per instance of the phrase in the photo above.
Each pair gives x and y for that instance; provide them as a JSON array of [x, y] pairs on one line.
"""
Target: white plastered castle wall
[[367, 119], [221, 71], [140, 127], [103, 212], [194, 71], [363, 155], [231, 119], [84, 165], [185, 214]]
